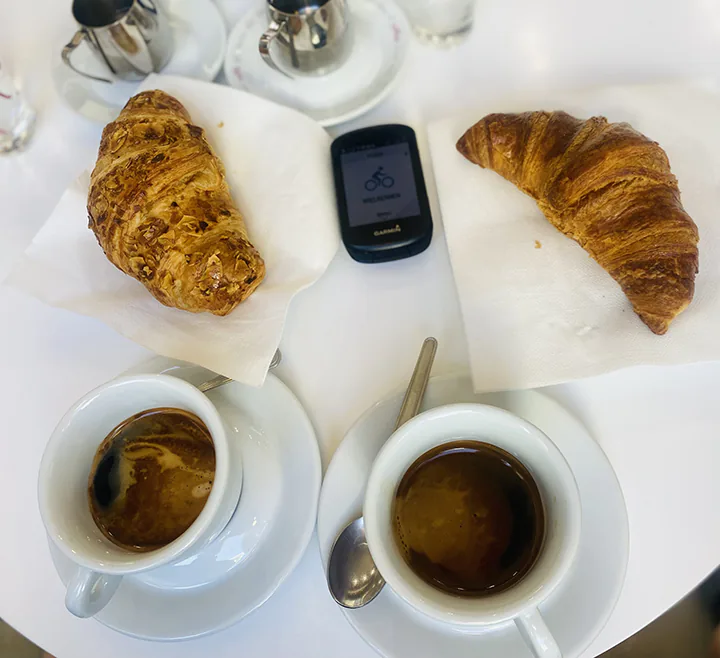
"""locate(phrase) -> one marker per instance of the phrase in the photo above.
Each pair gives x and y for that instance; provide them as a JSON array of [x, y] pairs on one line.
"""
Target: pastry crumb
[[221, 124], [538, 244]]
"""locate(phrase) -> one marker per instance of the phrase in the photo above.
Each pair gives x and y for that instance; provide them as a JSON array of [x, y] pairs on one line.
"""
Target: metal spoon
[[221, 380], [353, 578]]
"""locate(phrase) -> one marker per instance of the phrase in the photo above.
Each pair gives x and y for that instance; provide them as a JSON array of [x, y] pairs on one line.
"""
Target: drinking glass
[[17, 118], [440, 22]]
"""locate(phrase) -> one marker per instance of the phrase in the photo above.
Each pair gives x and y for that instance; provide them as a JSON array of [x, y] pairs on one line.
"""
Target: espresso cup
[[561, 503], [63, 486]]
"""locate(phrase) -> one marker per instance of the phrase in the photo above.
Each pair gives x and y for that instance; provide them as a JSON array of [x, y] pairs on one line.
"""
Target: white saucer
[[380, 37], [579, 607], [199, 42], [264, 540]]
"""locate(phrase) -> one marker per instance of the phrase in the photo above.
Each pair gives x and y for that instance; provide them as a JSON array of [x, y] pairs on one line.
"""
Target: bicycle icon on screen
[[379, 179]]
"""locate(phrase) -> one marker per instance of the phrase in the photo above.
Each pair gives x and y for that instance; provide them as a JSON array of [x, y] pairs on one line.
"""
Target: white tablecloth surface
[[354, 336]]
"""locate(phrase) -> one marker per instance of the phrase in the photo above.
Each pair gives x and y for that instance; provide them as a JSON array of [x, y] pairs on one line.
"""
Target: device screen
[[379, 184]]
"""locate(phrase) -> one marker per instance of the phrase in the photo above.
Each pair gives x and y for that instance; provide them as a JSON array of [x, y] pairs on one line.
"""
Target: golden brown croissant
[[161, 209], [609, 188]]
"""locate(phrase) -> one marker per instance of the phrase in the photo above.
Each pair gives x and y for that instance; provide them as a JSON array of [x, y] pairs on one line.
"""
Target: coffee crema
[[151, 477], [468, 518]]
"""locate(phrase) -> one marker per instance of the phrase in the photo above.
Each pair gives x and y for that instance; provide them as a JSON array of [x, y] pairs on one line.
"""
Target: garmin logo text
[[385, 231]]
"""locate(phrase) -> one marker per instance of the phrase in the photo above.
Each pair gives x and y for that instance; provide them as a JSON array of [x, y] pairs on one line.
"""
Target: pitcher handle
[[67, 50], [264, 45]]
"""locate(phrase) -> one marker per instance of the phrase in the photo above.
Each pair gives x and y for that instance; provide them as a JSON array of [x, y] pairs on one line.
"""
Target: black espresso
[[469, 518], [151, 477]]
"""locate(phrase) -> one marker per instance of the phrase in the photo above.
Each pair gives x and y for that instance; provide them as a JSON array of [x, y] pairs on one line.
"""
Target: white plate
[[579, 607], [199, 42], [380, 36], [264, 540]]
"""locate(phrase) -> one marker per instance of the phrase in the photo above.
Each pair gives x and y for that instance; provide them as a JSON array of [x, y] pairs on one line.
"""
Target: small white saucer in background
[[265, 538], [380, 37], [582, 603], [199, 41]]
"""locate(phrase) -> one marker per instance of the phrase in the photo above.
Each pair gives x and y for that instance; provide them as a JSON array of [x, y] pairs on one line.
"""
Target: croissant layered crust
[[607, 187], [160, 207]]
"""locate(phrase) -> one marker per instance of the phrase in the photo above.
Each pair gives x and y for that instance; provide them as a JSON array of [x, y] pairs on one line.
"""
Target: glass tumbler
[[440, 22], [17, 118]]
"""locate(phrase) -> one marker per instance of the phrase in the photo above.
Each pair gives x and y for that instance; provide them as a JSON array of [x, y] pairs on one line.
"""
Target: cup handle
[[264, 45], [88, 592], [67, 50], [537, 635]]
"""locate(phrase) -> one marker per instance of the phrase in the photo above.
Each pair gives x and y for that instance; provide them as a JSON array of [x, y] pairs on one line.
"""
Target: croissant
[[161, 209], [607, 187]]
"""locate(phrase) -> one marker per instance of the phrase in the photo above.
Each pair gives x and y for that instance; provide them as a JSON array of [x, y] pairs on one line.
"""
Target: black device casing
[[396, 238]]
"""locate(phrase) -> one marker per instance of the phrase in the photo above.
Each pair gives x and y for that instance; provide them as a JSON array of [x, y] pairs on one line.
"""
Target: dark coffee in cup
[[469, 519], [151, 478]]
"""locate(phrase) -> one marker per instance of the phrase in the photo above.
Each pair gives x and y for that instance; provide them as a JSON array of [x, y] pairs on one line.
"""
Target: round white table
[[354, 336]]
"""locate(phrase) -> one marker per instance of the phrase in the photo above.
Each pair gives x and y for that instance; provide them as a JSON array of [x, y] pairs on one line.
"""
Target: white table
[[354, 336]]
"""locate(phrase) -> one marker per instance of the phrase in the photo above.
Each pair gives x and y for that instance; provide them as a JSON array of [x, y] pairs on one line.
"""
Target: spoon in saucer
[[221, 380], [353, 578]]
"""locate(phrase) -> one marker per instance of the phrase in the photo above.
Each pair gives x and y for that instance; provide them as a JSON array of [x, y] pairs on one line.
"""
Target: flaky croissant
[[609, 188], [161, 209]]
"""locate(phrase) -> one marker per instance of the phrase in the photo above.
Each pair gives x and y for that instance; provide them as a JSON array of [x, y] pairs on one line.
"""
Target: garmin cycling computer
[[382, 201]]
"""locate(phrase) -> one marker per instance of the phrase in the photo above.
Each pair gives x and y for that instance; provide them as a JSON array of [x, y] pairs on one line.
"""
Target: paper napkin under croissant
[[276, 161], [537, 309]]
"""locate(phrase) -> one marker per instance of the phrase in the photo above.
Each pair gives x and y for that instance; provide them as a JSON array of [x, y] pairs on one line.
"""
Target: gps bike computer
[[381, 196]]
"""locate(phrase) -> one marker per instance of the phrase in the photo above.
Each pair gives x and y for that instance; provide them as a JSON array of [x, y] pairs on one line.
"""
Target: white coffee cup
[[63, 486], [561, 502]]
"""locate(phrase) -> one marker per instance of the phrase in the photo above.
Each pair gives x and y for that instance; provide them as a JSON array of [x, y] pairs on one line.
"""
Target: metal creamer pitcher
[[132, 37], [306, 37]]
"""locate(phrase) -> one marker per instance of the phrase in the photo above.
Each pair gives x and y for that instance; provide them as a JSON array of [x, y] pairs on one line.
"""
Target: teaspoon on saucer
[[221, 380], [353, 578]]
